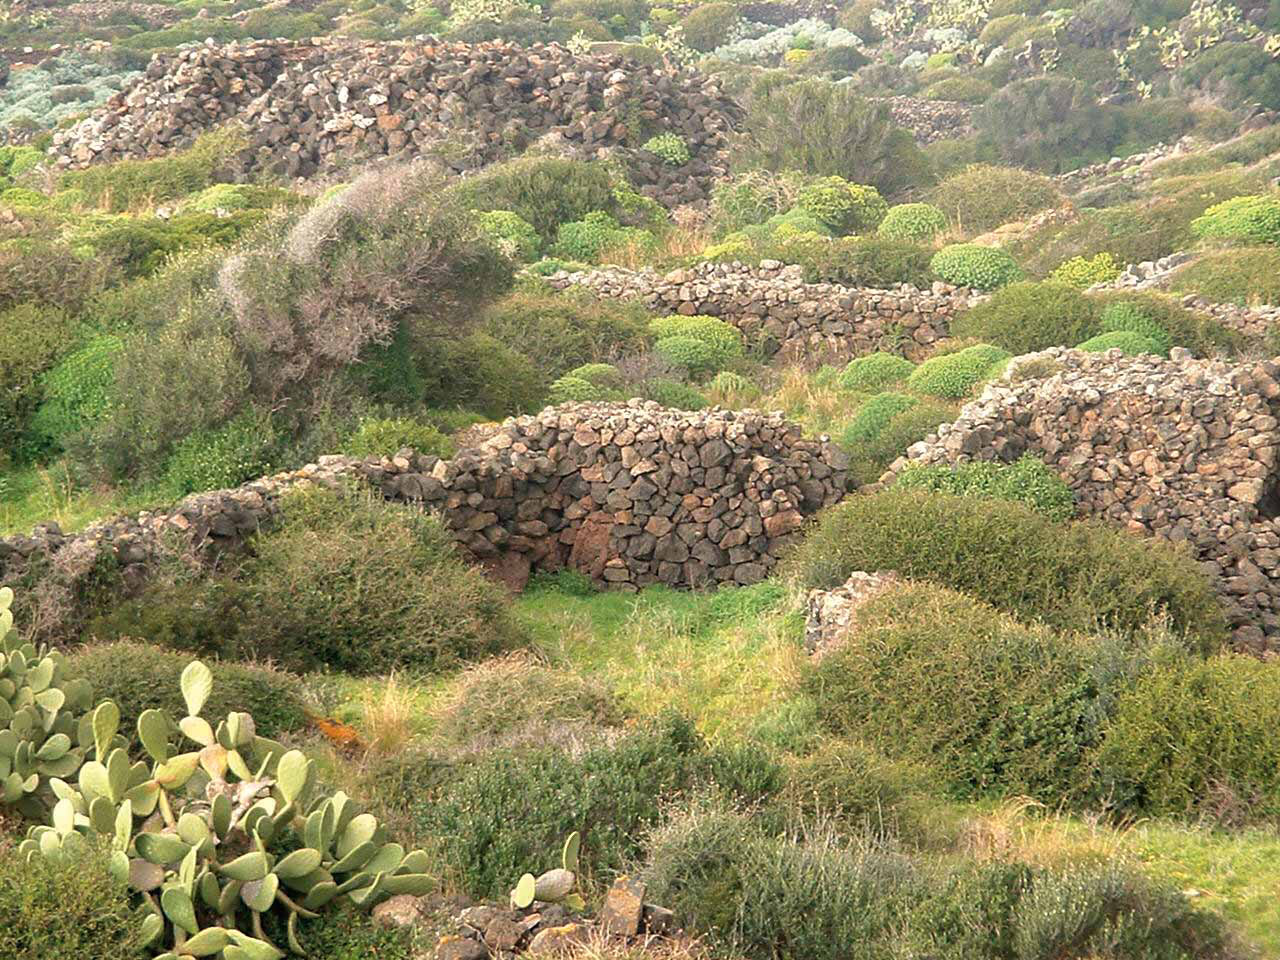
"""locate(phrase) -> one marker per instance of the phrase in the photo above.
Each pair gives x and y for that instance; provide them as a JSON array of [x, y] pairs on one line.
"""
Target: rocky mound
[[629, 493], [1181, 448], [318, 105]]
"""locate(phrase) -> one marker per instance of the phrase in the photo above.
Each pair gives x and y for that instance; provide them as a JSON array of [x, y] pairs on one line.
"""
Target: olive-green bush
[[673, 393], [852, 785], [1127, 316], [722, 339], [1067, 576], [1025, 317], [955, 375], [872, 418], [972, 265], [385, 436], [869, 458], [513, 234], [1128, 342], [912, 221], [875, 371], [982, 197], [843, 207], [1247, 220], [544, 191], [1246, 276], [1195, 737], [1027, 480], [352, 583]]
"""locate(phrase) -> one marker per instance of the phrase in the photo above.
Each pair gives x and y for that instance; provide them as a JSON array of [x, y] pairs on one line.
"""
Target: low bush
[[964, 89], [971, 265], [1194, 737], [141, 676], [1026, 317], [571, 389], [1068, 576], [872, 261], [560, 331], [982, 197], [933, 677], [1165, 321], [722, 338], [225, 456], [386, 436], [53, 908], [513, 234], [673, 394], [74, 392], [1083, 272], [872, 418], [587, 238], [1027, 481], [696, 356], [355, 584], [544, 191], [507, 813], [731, 388], [1248, 277], [1247, 220], [870, 458], [482, 373], [956, 375], [914, 222], [709, 25], [875, 371], [1129, 342], [843, 207], [669, 148], [33, 338]]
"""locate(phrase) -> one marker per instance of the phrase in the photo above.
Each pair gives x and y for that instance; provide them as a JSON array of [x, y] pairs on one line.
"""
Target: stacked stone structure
[[780, 313]]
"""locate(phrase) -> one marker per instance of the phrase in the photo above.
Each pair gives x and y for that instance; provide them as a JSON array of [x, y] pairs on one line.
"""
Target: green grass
[[31, 495]]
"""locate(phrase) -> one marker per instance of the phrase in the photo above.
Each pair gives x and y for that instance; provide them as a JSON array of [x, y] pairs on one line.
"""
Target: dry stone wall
[[783, 315], [932, 120], [1179, 448], [319, 105], [630, 494]]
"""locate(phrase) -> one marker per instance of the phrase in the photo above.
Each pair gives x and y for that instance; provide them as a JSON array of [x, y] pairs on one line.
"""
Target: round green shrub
[[669, 148], [1130, 342], [968, 89], [724, 339], [933, 677], [559, 331], [673, 394], [230, 197], [387, 436], [972, 265], [794, 221], [224, 456], [1130, 317], [875, 371], [856, 787], [585, 239], [709, 25], [23, 198], [1027, 317], [982, 197], [1247, 220], [1083, 272], [873, 416], [75, 390], [1026, 481], [571, 389], [956, 374], [601, 374], [1193, 737], [1068, 576], [513, 234], [868, 461], [841, 206], [353, 583], [140, 677], [1247, 277], [696, 356], [912, 221]]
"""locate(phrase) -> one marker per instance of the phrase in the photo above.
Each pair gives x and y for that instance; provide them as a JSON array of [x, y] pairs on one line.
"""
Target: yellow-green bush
[[955, 375], [976, 266]]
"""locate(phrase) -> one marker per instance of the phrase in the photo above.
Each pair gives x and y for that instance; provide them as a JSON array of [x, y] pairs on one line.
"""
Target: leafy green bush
[[972, 265], [1068, 576], [673, 394], [969, 89], [955, 375], [571, 389], [933, 677], [1247, 277], [139, 676], [504, 814], [1166, 322], [868, 460], [560, 331], [857, 788], [709, 25], [912, 221], [386, 436], [695, 355], [1194, 737], [229, 197], [873, 416], [870, 261], [1129, 342], [1248, 220], [363, 586], [601, 374], [32, 339], [982, 197], [875, 371], [544, 191], [1049, 123], [587, 238], [482, 373], [782, 226], [723, 339], [1083, 272], [1027, 481], [513, 234], [841, 206], [1026, 317], [65, 908], [224, 456], [75, 390], [669, 148]]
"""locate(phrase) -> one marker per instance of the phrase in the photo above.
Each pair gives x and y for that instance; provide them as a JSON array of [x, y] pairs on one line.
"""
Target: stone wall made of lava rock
[[1180, 448], [931, 120], [321, 105], [631, 494], [781, 314]]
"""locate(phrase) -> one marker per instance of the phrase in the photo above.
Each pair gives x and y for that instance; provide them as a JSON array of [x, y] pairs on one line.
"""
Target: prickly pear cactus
[[216, 836], [554, 886], [39, 737]]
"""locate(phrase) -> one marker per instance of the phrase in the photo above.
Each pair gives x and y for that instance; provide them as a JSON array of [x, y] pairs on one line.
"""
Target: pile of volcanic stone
[[1181, 448], [320, 105], [778, 312]]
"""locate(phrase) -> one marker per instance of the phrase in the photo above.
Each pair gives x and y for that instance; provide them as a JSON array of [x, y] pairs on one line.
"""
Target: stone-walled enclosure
[[319, 105], [780, 313], [630, 494], [1180, 448]]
